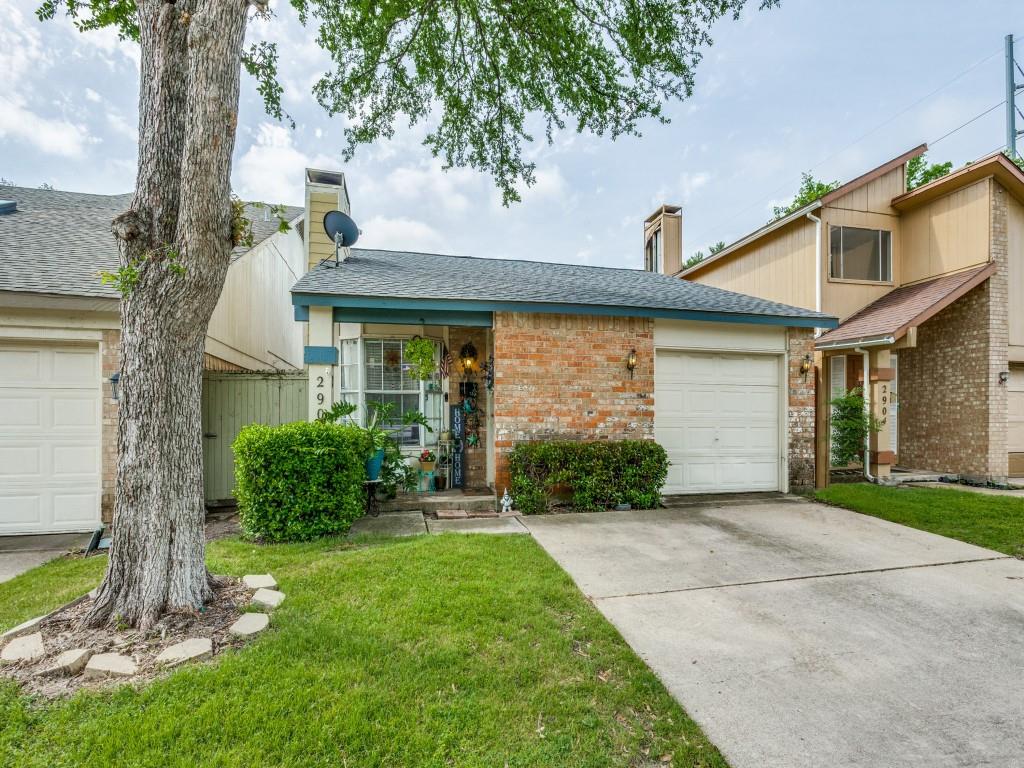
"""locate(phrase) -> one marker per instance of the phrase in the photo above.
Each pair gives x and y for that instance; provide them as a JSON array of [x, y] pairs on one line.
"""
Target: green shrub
[[598, 474], [300, 481], [850, 427]]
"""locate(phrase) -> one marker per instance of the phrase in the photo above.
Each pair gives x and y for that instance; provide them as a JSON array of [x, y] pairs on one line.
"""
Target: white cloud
[[271, 169], [401, 233], [51, 136]]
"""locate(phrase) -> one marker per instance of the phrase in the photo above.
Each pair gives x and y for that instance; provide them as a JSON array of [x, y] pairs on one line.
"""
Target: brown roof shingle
[[906, 307]]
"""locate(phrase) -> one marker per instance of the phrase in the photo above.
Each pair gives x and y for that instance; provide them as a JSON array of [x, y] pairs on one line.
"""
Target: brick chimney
[[325, 191], [663, 240]]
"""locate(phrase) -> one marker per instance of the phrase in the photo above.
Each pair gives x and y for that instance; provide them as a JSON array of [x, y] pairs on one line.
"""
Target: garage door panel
[[50, 429], [717, 416]]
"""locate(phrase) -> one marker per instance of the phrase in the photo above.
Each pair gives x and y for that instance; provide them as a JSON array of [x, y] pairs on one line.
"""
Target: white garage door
[[717, 416], [49, 438]]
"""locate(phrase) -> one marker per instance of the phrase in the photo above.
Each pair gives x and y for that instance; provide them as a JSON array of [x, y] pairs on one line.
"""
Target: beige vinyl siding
[[1015, 258], [320, 245], [778, 267], [875, 196], [946, 235], [253, 325]]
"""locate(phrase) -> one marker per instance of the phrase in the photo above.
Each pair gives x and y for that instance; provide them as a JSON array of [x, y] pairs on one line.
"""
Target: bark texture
[[178, 236]]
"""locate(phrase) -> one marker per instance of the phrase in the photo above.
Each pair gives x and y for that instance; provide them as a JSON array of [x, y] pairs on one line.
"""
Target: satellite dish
[[341, 229]]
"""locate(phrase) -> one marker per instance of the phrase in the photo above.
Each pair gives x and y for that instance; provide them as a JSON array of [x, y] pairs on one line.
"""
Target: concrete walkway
[[803, 635], [413, 523], [22, 553], [1018, 492]]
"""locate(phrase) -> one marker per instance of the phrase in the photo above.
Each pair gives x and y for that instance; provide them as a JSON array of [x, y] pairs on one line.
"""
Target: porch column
[[321, 358], [880, 380]]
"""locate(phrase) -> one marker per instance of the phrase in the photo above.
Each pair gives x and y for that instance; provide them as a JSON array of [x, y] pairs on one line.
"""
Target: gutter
[[856, 344], [817, 260]]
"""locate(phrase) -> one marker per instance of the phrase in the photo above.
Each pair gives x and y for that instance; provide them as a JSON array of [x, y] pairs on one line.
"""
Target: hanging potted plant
[[419, 354]]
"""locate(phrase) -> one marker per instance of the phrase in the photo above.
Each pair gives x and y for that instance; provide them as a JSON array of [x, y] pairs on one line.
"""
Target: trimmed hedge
[[599, 474], [299, 481]]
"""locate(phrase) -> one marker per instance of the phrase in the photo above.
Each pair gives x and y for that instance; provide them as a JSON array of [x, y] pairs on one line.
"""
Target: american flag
[[446, 362]]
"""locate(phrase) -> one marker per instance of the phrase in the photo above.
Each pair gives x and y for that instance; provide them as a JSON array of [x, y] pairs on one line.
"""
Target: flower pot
[[374, 464], [440, 482], [427, 466]]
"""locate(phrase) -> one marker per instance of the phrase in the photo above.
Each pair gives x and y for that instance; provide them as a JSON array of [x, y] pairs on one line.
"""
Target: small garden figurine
[[506, 503]]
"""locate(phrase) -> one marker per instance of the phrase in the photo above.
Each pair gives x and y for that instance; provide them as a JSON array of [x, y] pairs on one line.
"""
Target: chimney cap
[[664, 210], [327, 178]]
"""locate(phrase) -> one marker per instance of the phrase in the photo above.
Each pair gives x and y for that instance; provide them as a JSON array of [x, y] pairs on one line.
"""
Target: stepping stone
[[268, 598], [193, 649], [249, 624], [110, 665], [24, 648], [22, 629], [260, 581], [68, 663]]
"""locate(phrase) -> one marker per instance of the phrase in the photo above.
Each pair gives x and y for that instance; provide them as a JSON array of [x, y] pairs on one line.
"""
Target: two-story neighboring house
[[928, 286]]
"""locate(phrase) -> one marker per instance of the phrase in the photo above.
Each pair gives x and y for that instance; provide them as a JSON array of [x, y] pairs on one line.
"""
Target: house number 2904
[[884, 399]]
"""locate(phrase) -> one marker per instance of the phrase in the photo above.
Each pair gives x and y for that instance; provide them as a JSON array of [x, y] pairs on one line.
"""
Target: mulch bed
[[62, 631]]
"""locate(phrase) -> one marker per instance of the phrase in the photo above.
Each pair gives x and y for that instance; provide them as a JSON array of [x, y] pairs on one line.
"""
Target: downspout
[[867, 408], [817, 264]]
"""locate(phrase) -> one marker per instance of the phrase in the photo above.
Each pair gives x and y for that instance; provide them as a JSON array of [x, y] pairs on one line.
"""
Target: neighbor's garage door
[[717, 416], [49, 438], [1015, 421]]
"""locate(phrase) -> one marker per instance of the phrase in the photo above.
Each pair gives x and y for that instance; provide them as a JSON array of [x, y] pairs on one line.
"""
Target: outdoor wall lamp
[[631, 362], [1004, 376], [468, 356], [115, 386], [805, 365]]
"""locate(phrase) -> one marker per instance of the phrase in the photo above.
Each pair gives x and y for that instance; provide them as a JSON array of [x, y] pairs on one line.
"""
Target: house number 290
[[320, 395]]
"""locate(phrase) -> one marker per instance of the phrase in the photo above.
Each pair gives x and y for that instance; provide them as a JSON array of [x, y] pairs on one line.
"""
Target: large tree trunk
[[178, 235]]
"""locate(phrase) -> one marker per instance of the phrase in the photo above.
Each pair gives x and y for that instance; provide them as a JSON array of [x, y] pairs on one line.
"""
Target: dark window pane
[[835, 243], [860, 254]]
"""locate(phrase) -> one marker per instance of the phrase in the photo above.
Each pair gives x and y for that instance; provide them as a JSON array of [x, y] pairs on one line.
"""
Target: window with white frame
[[375, 371], [860, 254]]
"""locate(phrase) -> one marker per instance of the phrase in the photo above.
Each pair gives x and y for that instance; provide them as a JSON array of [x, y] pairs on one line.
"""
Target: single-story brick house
[[544, 350]]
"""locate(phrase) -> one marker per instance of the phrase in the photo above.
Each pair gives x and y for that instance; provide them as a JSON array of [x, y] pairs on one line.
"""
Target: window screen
[[860, 254]]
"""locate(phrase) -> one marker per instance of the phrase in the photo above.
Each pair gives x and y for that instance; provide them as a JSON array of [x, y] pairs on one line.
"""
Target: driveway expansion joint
[[807, 577]]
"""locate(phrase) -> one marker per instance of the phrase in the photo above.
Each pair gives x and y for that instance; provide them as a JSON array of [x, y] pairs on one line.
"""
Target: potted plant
[[419, 353], [427, 460], [380, 436]]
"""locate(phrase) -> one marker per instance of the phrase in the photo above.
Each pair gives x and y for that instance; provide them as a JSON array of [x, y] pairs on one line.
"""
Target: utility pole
[[1012, 89]]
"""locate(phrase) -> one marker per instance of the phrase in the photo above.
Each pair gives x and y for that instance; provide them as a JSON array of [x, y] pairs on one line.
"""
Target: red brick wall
[[110, 362], [800, 413], [565, 376]]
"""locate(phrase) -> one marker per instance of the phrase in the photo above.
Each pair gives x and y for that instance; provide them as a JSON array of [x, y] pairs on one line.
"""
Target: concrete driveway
[[22, 553], [802, 635]]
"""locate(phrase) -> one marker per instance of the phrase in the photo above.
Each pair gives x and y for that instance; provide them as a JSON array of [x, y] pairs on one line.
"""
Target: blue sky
[[837, 87]]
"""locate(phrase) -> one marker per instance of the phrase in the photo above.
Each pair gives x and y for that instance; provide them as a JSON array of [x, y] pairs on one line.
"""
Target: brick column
[[800, 415], [110, 363], [999, 337]]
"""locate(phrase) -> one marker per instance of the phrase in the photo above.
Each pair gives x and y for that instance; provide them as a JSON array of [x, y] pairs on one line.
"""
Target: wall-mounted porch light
[[468, 356], [115, 386], [805, 365], [1004, 376], [631, 362]]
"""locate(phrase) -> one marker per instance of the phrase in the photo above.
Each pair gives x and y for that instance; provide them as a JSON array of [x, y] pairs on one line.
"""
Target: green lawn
[[995, 522], [432, 651]]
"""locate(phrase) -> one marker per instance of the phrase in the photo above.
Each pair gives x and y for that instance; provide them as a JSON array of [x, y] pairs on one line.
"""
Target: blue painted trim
[[320, 355], [413, 317], [465, 305], [301, 313]]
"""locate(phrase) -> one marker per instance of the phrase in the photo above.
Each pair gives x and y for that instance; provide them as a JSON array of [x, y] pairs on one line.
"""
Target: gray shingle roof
[[57, 242], [400, 274]]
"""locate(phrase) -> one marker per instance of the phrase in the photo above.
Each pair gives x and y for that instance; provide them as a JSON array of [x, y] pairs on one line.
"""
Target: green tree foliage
[[920, 172], [1017, 159], [699, 256], [484, 74], [810, 190]]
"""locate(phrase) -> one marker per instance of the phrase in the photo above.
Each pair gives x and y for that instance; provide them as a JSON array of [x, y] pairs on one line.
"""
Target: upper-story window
[[652, 252], [860, 254]]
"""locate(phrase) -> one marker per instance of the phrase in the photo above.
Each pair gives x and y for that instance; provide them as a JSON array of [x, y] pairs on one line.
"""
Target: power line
[[964, 125], [788, 185]]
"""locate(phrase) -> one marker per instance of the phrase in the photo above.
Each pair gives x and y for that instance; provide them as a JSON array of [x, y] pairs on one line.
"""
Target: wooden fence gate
[[233, 400]]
